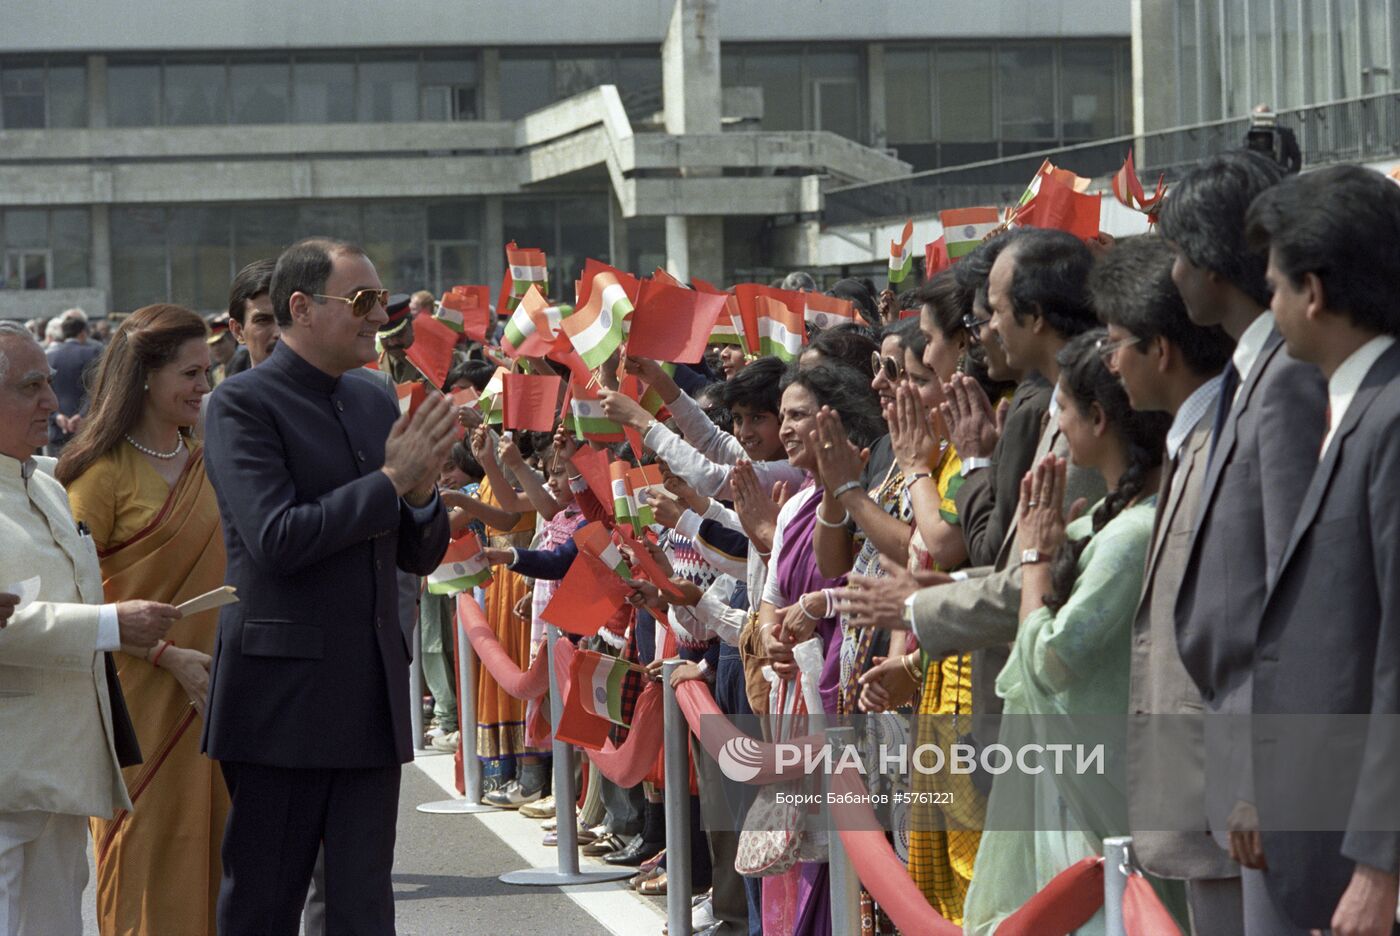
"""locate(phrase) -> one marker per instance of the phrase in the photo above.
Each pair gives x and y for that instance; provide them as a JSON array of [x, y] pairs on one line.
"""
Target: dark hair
[[903, 330], [756, 386], [252, 281], [476, 373], [1051, 279], [973, 270], [1087, 382], [533, 443], [711, 400], [848, 392], [1131, 287], [1341, 224], [908, 301], [859, 292], [148, 339], [73, 326], [849, 344], [947, 300], [466, 462], [304, 267], [1203, 215]]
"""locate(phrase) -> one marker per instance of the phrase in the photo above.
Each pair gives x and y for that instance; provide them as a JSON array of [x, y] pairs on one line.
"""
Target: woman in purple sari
[[797, 600]]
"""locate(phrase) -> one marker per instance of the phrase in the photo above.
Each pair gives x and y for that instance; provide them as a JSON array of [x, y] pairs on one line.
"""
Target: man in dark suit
[[1329, 636], [1167, 364], [323, 493], [70, 360], [1263, 450]]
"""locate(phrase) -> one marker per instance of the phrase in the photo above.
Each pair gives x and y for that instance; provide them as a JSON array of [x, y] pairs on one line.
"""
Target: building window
[[568, 230], [388, 91], [809, 87], [133, 94], [449, 87], [323, 91], [37, 93], [196, 94], [532, 80], [45, 249], [260, 92]]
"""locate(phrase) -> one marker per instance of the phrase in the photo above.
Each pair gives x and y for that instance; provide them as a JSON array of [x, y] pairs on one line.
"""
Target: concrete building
[[148, 150]]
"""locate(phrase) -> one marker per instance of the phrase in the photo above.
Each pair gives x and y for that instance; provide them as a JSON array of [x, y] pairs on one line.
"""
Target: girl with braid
[[1080, 581]]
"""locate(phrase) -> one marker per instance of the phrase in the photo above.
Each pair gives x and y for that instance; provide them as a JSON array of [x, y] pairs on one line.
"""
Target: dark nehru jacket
[[311, 667]]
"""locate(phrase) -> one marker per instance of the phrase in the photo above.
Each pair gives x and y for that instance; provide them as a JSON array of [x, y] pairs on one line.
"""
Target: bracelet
[[845, 488], [802, 604], [164, 645], [909, 667], [917, 476], [833, 524]]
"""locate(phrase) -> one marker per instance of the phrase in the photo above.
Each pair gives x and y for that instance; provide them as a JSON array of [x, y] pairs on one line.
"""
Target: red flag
[[1059, 206], [411, 396], [431, 351], [647, 567], [588, 596], [529, 403], [672, 323], [465, 397], [631, 388], [591, 268], [577, 725], [936, 257], [472, 305], [593, 465], [661, 276], [704, 287], [1128, 189]]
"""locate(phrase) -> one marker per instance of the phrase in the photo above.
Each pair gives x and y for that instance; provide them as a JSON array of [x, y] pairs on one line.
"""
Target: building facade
[[148, 156]]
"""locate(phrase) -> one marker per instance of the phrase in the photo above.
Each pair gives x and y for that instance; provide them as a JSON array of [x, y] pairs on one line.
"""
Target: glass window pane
[[530, 223], [454, 220], [576, 75], [453, 264], [583, 233], [1261, 50], [388, 92], [341, 222], [1317, 49], [646, 244], [393, 241], [1237, 104], [261, 232], [1291, 94], [260, 92], [26, 227], [1189, 53], [199, 257], [22, 98], [836, 107], [527, 84], [138, 257], [449, 69], [1086, 91], [195, 94], [1212, 68], [67, 96], [1027, 92], [639, 83], [779, 75], [827, 63], [70, 269], [1379, 74], [323, 92], [68, 228], [1349, 68], [449, 87], [908, 109], [133, 95], [962, 84]]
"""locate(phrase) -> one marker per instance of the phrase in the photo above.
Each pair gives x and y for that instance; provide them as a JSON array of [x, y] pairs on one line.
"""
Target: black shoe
[[638, 851]]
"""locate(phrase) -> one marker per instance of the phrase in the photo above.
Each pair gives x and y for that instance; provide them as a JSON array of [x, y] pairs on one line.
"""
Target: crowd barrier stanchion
[[677, 799], [415, 686], [1117, 853], [842, 879], [565, 794], [471, 764]]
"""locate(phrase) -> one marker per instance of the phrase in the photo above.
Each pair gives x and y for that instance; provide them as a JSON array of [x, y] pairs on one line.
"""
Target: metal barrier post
[[677, 793], [415, 686], [565, 795], [842, 879], [466, 731], [1117, 858]]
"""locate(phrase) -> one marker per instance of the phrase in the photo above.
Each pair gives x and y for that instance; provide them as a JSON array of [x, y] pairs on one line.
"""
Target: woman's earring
[[147, 388]]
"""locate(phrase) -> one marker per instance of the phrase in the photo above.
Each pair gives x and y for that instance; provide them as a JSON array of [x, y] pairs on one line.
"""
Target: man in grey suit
[[1262, 453], [1167, 364], [1329, 635], [1039, 300]]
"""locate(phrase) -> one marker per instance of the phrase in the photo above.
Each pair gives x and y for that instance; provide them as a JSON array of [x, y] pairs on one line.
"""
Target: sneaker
[[448, 744], [549, 825], [432, 734], [511, 796], [702, 916], [540, 809]]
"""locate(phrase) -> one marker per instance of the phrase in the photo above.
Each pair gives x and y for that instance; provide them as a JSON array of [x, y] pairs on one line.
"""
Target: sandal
[[653, 887], [644, 874]]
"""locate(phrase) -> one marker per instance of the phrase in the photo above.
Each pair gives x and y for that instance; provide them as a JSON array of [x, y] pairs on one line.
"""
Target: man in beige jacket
[[59, 763]]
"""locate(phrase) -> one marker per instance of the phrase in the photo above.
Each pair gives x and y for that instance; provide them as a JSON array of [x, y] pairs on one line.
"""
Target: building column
[[100, 241], [875, 94], [691, 91], [490, 84]]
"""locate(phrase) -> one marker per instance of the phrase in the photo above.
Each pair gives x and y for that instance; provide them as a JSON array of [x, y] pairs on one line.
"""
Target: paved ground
[[446, 868]]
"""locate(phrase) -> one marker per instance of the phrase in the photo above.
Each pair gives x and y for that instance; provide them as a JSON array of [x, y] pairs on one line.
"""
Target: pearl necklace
[[164, 456]]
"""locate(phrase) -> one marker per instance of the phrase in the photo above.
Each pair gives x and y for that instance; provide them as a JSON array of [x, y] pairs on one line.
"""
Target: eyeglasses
[[1109, 349], [974, 326], [363, 302], [892, 369]]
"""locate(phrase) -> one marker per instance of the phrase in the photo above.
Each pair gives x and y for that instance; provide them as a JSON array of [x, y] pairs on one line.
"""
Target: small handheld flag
[[463, 567]]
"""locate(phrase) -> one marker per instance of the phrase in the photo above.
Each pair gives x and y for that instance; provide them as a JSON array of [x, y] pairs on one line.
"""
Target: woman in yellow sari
[[135, 477]]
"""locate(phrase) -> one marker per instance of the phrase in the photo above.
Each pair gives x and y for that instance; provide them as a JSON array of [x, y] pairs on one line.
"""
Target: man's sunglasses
[[363, 302], [974, 326], [892, 369]]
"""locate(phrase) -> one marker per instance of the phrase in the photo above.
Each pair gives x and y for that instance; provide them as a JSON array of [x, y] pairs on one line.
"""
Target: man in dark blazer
[[324, 492], [1167, 364], [1329, 636], [1263, 450], [70, 359]]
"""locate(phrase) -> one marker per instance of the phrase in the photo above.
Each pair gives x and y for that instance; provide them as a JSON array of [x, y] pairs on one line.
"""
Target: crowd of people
[[1152, 476]]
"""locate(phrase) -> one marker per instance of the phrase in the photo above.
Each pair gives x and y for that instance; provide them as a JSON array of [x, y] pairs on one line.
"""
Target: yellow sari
[[158, 866]]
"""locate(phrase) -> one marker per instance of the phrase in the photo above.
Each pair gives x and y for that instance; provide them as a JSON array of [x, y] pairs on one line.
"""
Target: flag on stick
[[645, 482], [491, 400], [586, 415], [431, 351], [411, 396], [1049, 170], [525, 266], [823, 311], [463, 567], [936, 257], [780, 330], [599, 678], [596, 540], [577, 725], [533, 328], [529, 403], [965, 228], [672, 323], [1059, 206], [901, 257], [588, 596], [592, 464], [466, 310], [623, 511], [1128, 190], [595, 328]]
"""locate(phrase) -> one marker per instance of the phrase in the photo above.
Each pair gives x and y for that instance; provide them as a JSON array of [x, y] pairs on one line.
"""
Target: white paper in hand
[[27, 591], [209, 601]]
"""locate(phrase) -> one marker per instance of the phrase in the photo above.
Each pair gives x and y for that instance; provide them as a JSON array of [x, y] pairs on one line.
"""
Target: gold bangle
[[909, 666]]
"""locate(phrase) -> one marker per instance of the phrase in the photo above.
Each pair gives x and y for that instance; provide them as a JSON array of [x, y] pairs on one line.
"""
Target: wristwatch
[[1033, 556], [973, 462]]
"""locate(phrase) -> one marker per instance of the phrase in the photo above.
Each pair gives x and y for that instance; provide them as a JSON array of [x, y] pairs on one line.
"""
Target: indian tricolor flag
[[586, 415], [600, 680], [525, 267], [823, 311], [901, 257], [597, 540], [533, 327], [596, 328], [623, 510], [491, 402], [463, 568], [965, 228], [780, 329], [646, 482], [1049, 170]]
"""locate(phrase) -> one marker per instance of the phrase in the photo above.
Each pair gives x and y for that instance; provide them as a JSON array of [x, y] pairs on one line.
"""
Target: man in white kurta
[[59, 764]]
